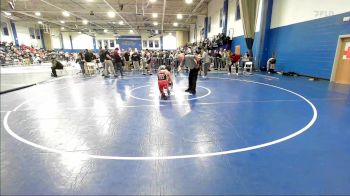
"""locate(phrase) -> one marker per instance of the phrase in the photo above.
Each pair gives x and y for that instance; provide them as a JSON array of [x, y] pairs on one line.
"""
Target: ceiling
[[135, 14]]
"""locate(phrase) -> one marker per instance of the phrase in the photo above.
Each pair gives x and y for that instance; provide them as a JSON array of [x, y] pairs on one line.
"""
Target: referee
[[191, 63]]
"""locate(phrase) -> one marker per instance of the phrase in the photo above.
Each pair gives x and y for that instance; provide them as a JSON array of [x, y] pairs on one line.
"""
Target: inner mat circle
[[172, 131]]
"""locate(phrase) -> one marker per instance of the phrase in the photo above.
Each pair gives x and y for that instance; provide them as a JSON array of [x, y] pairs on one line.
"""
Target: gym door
[[342, 72]]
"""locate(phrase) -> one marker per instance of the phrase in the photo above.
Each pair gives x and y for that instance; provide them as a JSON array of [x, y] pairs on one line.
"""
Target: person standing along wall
[[135, 57], [127, 60], [206, 62], [118, 62]]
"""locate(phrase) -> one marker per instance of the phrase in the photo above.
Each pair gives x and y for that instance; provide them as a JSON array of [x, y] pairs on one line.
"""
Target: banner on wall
[[346, 51], [129, 42]]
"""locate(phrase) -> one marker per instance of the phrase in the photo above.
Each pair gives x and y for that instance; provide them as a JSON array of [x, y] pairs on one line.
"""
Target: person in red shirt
[[164, 78], [234, 58]]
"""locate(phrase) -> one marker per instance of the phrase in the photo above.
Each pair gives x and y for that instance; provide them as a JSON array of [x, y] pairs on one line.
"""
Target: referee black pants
[[192, 79]]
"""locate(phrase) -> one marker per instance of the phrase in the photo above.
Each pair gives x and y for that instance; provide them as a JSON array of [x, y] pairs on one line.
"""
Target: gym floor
[[258, 134]]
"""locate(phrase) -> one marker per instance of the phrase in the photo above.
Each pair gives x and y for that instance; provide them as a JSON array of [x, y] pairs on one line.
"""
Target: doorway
[[238, 49], [341, 67]]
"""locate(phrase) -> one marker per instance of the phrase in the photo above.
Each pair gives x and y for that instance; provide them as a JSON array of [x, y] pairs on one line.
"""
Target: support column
[[225, 17], [42, 38], [47, 41], [94, 43], [71, 42], [14, 32], [266, 26], [179, 39], [61, 41], [206, 28], [161, 42]]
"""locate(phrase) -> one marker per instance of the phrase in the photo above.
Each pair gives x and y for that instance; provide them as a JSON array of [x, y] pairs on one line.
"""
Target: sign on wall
[[128, 42], [346, 51]]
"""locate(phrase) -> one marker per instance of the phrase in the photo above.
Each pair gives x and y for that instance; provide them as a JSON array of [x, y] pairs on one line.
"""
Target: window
[[144, 44], [111, 43], [99, 44], [238, 12], [221, 21], [5, 29], [105, 43], [37, 33], [156, 43], [209, 24], [32, 33], [150, 43]]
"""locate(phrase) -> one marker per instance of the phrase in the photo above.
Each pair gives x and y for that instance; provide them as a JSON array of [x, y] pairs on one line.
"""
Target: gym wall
[[304, 34]]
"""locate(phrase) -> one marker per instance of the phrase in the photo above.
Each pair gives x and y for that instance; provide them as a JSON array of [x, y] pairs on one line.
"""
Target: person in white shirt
[[206, 61]]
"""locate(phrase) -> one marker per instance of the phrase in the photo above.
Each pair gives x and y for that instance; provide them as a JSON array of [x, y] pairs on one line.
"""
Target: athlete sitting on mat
[[164, 79]]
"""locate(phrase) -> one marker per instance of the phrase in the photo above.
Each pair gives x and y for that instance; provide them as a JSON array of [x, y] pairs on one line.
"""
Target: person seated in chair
[[270, 68], [55, 65]]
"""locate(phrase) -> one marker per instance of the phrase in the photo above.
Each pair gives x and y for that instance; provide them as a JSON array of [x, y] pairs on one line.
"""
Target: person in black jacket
[[118, 62], [55, 65], [136, 58], [89, 56]]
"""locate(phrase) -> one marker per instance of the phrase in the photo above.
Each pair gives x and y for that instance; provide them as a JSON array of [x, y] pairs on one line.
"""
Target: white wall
[[232, 24], [82, 41], [286, 12], [3, 37], [145, 37], [169, 42], [66, 40], [214, 7], [236, 25], [199, 27], [24, 36], [192, 33], [105, 37], [55, 39]]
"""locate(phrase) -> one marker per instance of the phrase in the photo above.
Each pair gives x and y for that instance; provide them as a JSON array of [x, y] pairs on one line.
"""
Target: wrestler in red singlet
[[163, 80]]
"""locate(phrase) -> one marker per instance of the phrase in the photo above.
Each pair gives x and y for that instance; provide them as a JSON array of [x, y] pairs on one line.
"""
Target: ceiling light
[[62, 22], [114, 22], [189, 1], [155, 23], [155, 15], [7, 13], [179, 16], [152, 1], [62, 28], [66, 14], [156, 31], [37, 14], [175, 24], [121, 22], [105, 30], [131, 31], [111, 14], [85, 22], [39, 22]]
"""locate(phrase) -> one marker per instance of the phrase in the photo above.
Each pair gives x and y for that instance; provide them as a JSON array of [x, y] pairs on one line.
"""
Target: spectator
[[55, 65], [127, 60], [206, 61], [118, 62], [271, 64], [136, 58]]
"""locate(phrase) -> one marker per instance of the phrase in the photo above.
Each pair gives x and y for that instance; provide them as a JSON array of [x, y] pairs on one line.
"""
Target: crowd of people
[[193, 59], [26, 55], [196, 58]]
